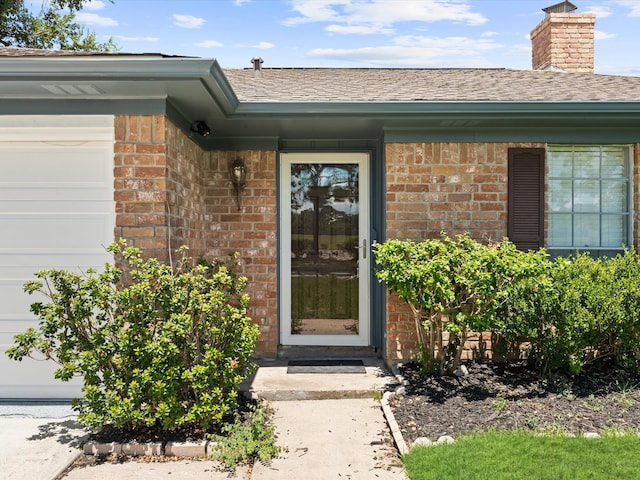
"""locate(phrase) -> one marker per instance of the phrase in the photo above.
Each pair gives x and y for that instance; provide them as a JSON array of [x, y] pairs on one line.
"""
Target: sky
[[358, 33]]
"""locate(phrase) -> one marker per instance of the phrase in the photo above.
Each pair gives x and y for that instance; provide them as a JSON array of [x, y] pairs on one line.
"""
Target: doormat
[[326, 366]]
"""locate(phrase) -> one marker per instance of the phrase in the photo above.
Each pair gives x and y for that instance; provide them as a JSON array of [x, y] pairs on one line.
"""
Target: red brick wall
[[566, 41], [140, 183], [436, 187], [251, 231], [169, 192], [187, 173]]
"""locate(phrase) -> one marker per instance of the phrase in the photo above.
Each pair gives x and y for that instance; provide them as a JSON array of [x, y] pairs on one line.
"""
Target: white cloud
[[94, 5], [187, 21], [600, 11], [239, 3], [598, 35], [209, 44], [519, 50], [448, 45], [634, 5], [489, 34], [260, 45], [315, 11], [263, 45], [624, 70], [417, 51], [95, 19], [390, 56], [358, 29], [380, 14], [124, 38]]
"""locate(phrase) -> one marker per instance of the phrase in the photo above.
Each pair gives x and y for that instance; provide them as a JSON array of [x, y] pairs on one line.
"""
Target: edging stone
[[99, 448], [140, 449], [185, 449], [393, 425], [135, 449], [390, 417]]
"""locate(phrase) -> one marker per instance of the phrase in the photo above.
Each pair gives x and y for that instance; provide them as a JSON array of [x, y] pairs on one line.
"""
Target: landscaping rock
[[445, 439], [422, 442]]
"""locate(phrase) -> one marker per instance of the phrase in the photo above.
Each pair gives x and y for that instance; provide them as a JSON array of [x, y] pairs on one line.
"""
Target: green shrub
[[585, 313], [249, 438], [155, 345], [574, 313], [456, 284]]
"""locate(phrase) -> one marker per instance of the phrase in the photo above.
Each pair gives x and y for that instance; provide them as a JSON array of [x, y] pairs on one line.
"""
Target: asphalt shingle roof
[[429, 85], [37, 52], [346, 85]]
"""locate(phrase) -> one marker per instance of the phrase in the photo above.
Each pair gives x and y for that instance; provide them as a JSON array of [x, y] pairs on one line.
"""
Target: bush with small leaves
[[156, 346], [249, 437], [582, 313], [455, 285]]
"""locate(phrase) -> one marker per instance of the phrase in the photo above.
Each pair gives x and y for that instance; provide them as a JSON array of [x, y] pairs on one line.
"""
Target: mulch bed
[[499, 396], [155, 433]]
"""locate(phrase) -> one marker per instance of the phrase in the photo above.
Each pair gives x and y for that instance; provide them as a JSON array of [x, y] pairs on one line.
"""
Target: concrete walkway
[[37, 441], [331, 425], [326, 439]]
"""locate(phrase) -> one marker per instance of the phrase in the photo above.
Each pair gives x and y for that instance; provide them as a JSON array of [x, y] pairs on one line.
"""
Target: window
[[589, 199]]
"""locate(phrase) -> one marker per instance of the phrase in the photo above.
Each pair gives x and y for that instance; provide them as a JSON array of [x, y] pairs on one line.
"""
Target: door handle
[[364, 248]]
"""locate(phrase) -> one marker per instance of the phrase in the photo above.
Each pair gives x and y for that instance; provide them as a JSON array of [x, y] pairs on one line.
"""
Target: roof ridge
[[251, 69]]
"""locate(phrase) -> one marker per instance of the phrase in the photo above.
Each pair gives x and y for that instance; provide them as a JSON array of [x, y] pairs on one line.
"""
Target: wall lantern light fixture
[[238, 174]]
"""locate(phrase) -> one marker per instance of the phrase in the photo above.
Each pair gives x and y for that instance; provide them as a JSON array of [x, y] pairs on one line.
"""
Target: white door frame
[[364, 252]]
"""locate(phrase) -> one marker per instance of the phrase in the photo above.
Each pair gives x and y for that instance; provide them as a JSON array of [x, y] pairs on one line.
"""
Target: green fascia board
[[472, 121], [242, 143], [119, 69], [514, 135], [435, 109], [83, 106]]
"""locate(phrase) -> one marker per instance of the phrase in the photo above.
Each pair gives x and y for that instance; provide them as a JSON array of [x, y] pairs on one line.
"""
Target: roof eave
[[121, 73], [420, 107]]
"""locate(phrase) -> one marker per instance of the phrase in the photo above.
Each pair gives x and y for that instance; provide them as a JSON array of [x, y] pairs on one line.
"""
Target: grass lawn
[[520, 455]]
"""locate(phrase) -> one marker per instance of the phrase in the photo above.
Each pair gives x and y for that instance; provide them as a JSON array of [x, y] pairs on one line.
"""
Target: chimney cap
[[562, 7]]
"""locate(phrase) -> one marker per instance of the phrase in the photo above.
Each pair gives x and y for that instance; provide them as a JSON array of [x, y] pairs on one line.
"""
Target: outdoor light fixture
[[238, 173], [201, 128]]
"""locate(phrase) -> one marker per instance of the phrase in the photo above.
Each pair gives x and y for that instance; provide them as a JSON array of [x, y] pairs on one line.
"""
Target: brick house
[[100, 146]]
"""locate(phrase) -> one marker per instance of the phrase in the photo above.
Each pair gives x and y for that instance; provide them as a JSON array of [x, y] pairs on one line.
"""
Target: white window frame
[[576, 245]]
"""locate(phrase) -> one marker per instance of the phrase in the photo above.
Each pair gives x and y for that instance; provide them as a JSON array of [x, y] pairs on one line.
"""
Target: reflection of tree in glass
[[328, 185]]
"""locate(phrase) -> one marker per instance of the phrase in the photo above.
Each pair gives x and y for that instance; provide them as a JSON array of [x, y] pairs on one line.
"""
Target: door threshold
[[317, 352]]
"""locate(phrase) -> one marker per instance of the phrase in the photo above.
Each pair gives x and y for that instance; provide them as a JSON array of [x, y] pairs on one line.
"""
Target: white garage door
[[56, 211]]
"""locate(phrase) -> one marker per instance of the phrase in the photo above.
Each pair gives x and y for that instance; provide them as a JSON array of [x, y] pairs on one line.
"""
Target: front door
[[324, 249]]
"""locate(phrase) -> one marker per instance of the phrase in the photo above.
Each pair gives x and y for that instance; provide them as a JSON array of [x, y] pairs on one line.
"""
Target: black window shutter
[[526, 198]]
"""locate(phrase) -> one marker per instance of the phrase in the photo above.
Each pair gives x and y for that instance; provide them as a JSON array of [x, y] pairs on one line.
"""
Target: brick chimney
[[564, 40]]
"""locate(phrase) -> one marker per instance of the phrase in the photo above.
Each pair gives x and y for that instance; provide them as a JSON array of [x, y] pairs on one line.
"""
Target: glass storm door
[[324, 249]]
